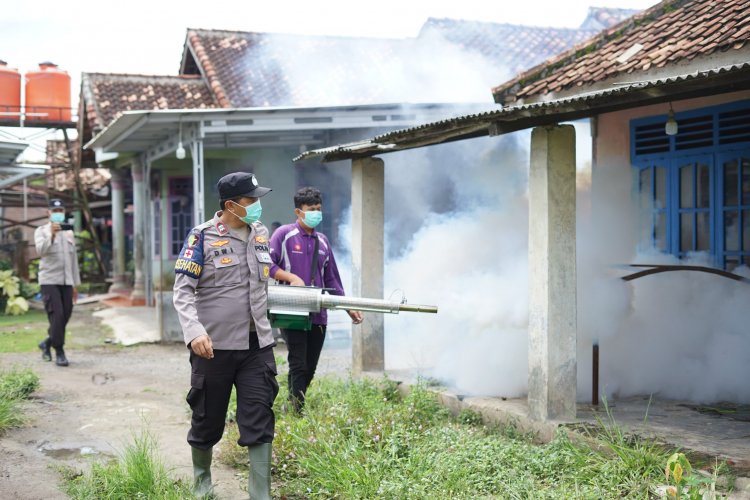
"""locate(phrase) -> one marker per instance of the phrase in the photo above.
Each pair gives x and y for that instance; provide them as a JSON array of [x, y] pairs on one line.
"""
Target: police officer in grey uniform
[[220, 294], [58, 278]]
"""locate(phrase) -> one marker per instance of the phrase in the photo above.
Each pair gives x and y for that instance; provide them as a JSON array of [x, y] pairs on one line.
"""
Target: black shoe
[[44, 346], [60, 359]]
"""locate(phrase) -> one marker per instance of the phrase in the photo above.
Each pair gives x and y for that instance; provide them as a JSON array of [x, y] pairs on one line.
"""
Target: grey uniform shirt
[[221, 285], [59, 261]]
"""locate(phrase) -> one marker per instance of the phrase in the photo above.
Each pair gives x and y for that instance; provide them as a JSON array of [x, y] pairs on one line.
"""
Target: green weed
[[363, 439], [15, 386], [137, 474]]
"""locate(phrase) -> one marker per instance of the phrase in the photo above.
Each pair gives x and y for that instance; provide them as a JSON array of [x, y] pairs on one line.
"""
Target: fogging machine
[[292, 306]]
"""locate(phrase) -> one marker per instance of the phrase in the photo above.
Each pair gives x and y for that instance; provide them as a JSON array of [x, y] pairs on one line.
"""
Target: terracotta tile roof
[[245, 69], [509, 46], [57, 154], [672, 31], [266, 69], [600, 18], [106, 96]]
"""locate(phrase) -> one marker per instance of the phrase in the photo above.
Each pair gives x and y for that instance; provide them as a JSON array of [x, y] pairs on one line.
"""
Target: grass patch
[[33, 316], [137, 473], [23, 333], [26, 340], [15, 386], [361, 439]]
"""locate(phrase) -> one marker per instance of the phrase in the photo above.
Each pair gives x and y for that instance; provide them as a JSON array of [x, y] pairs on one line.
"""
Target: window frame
[[673, 160], [176, 240]]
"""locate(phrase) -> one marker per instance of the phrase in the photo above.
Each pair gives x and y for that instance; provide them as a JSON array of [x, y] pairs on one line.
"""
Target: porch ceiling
[[635, 94], [156, 133], [9, 151]]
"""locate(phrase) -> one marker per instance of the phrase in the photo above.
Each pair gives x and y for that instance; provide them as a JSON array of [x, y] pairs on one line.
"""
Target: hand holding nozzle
[[357, 316]]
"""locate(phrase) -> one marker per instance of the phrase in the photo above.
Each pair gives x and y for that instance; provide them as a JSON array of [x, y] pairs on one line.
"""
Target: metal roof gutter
[[265, 119]]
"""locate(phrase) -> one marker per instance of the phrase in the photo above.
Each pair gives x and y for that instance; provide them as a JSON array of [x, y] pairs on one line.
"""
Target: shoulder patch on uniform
[[190, 260]]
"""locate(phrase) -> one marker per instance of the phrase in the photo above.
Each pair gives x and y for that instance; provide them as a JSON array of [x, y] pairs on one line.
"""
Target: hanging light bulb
[[180, 151], [670, 128]]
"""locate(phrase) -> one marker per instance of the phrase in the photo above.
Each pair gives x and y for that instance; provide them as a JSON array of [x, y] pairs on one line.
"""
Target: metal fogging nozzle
[[296, 299]]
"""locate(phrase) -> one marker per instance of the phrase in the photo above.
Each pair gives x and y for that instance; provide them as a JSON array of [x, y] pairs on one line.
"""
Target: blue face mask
[[57, 217], [252, 213], [313, 218]]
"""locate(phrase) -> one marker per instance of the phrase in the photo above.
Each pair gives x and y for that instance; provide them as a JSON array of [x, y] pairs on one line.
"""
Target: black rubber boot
[[46, 353], [60, 359]]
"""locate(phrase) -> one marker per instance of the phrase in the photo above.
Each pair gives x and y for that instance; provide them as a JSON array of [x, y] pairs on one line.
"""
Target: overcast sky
[[146, 36]]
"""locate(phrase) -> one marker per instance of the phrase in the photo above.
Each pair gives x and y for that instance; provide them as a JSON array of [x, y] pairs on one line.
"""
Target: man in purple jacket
[[293, 249]]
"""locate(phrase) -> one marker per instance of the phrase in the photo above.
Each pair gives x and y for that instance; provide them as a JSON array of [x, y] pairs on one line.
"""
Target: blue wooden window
[[653, 188], [180, 204], [695, 185], [734, 217]]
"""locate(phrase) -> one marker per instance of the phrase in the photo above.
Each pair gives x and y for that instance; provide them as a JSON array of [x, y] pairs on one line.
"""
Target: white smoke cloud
[[678, 335], [340, 71], [469, 257], [456, 236]]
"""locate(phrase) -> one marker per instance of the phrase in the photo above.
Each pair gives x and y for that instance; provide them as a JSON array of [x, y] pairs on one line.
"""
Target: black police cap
[[240, 184]]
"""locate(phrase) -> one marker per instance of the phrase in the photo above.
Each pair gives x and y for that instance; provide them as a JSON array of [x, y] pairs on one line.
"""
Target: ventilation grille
[[651, 139], [734, 126], [693, 133], [712, 129]]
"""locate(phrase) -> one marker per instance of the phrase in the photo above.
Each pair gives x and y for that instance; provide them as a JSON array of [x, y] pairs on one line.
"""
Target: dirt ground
[[92, 409]]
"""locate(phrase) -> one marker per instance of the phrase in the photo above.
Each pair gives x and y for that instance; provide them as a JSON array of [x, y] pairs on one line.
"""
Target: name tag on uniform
[[264, 257], [226, 261]]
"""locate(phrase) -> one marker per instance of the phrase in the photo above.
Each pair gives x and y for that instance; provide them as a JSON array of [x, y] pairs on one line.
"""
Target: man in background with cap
[[58, 278], [220, 295]]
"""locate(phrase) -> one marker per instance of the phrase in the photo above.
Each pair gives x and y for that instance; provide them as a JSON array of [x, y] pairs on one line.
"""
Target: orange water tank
[[48, 94], [10, 93]]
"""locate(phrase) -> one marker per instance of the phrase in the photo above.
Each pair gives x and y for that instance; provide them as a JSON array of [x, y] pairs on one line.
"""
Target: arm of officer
[[43, 239], [276, 272], [188, 269]]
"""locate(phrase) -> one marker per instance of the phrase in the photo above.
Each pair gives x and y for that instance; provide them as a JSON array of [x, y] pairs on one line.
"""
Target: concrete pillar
[[552, 274], [138, 295], [368, 188], [119, 278]]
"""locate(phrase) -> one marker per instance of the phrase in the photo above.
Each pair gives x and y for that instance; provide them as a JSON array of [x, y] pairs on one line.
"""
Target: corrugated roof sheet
[[520, 117]]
